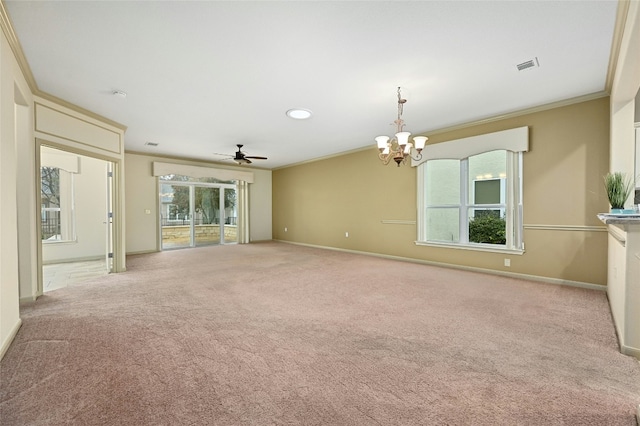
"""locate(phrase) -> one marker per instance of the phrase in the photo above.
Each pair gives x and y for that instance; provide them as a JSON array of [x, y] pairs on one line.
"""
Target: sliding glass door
[[230, 225], [196, 213], [175, 216], [207, 216]]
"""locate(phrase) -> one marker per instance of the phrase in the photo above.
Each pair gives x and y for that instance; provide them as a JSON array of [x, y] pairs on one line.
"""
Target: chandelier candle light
[[399, 148]]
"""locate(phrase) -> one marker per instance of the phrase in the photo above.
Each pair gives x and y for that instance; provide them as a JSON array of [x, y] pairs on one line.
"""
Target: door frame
[[117, 244]]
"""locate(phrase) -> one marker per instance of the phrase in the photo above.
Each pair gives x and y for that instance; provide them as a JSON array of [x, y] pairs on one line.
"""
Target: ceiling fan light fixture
[[299, 113]]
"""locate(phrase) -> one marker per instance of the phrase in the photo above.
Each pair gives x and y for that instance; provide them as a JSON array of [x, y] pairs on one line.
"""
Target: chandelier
[[399, 148]]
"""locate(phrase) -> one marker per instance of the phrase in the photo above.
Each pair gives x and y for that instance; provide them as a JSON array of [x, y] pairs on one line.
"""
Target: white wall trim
[[12, 334], [29, 299], [491, 248], [133, 253], [582, 228], [631, 351], [75, 259], [547, 280], [398, 222]]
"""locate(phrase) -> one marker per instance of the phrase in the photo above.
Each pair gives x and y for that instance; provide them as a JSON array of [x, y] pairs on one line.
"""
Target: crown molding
[[326, 157], [618, 31], [16, 48], [526, 111]]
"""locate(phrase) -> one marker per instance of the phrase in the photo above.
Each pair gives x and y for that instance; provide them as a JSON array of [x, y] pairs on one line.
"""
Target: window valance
[[60, 159], [161, 169], [516, 140]]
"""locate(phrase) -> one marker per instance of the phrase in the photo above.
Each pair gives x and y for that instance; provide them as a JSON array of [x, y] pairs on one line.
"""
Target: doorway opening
[[197, 211], [76, 219]]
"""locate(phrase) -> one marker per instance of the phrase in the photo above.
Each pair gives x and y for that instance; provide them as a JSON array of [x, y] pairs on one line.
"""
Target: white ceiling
[[203, 76]]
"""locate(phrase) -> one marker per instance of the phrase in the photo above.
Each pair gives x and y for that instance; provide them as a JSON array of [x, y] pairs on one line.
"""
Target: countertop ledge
[[619, 219]]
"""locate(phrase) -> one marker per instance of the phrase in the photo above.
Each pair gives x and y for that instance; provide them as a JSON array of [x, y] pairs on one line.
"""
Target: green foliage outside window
[[488, 228], [206, 200]]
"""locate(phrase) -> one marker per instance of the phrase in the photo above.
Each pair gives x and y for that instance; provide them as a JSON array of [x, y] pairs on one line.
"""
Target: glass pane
[[487, 191], [174, 216], [231, 216], [487, 226], [50, 199], [487, 174], [207, 215], [442, 184], [57, 198], [443, 225]]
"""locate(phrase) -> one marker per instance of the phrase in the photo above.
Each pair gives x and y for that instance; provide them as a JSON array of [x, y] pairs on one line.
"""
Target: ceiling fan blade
[[255, 157]]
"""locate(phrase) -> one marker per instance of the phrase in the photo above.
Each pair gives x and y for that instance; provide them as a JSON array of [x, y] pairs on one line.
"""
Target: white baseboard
[[548, 280], [75, 259], [631, 351], [5, 345], [142, 252], [28, 299]]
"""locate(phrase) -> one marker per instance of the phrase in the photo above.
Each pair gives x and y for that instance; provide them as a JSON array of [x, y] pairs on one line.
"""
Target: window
[[470, 194], [57, 216]]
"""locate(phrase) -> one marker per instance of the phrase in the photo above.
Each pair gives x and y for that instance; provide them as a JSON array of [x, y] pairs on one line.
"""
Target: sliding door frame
[[192, 190]]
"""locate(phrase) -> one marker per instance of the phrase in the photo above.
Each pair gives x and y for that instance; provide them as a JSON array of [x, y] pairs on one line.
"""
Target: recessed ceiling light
[[299, 113]]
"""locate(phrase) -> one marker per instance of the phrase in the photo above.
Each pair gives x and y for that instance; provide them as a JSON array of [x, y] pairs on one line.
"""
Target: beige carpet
[[277, 334]]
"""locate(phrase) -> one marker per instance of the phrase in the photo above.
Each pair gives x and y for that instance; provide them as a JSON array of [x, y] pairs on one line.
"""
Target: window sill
[[473, 247], [52, 242]]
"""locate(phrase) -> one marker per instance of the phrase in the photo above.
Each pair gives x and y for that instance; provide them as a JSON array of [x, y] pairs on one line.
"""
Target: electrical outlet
[[507, 262], [147, 211], [285, 229], [346, 234]]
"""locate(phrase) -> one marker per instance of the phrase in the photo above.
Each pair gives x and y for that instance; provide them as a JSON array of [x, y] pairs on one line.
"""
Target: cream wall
[[142, 195], [16, 108], [569, 154]]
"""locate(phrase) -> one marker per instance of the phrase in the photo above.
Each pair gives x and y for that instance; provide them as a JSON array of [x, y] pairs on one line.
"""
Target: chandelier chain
[[401, 103]]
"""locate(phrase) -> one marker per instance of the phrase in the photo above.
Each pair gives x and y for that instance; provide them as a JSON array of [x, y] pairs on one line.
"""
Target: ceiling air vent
[[151, 143], [528, 64]]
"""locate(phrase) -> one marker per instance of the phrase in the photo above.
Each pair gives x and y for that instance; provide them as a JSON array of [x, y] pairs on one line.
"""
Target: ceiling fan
[[242, 158]]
